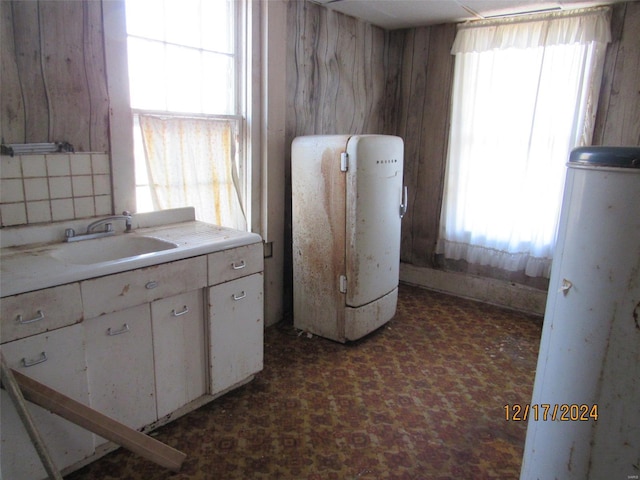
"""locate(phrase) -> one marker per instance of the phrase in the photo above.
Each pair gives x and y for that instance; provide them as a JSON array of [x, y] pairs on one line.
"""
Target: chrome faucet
[[70, 234], [126, 216]]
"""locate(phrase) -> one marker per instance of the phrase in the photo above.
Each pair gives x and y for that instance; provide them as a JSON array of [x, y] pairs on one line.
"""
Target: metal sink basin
[[109, 249]]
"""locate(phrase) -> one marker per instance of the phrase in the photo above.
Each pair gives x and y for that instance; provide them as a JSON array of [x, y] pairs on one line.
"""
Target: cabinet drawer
[[235, 263], [36, 312], [127, 289]]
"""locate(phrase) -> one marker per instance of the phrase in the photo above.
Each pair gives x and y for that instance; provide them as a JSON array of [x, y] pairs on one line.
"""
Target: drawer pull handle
[[112, 333], [239, 296], [151, 285], [239, 265], [184, 311], [36, 361], [37, 318]]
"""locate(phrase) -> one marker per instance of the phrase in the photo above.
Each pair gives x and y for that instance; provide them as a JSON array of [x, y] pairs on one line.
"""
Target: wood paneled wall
[[423, 121], [53, 80], [618, 117], [337, 73]]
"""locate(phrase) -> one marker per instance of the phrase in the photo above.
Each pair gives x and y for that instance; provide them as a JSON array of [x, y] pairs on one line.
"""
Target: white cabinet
[[120, 366], [236, 322], [57, 359], [179, 352], [139, 346], [236, 331], [120, 339]]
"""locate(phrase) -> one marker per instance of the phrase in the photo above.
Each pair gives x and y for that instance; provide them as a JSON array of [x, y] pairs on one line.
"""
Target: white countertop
[[25, 268]]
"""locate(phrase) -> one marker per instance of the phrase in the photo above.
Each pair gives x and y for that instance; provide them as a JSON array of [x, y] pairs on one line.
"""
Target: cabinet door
[[179, 350], [236, 331], [56, 359], [120, 362]]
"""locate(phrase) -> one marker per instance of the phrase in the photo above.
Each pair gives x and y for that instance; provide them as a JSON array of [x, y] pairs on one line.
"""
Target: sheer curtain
[[524, 95], [191, 161]]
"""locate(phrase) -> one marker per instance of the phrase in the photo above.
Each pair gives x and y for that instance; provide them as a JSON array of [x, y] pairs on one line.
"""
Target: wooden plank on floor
[[100, 424], [10, 384]]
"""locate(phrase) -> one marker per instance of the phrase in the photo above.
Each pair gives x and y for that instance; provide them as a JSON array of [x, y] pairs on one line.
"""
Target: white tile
[[10, 167], [13, 214], [62, 209], [80, 163], [60, 187], [35, 189], [58, 165], [100, 163], [102, 184], [82, 186], [34, 166], [84, 207], [38, 212], [11, 190], [103, 205]]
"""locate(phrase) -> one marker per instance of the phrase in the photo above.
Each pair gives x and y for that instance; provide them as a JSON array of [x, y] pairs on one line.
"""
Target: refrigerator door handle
[[403, 205]]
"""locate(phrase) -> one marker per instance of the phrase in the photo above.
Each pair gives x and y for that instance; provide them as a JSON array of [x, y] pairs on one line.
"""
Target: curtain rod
[[536, 17], [195, 116]]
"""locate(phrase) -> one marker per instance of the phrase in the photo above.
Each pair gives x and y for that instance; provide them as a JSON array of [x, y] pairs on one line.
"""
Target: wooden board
[[10, 384], [12, 108], [423, 122], [336, 73], [618, 117], [54, 83], [99, 424], [433, 145]]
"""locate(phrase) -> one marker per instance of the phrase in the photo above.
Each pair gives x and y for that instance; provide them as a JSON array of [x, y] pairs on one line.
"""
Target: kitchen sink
[[109, 249]]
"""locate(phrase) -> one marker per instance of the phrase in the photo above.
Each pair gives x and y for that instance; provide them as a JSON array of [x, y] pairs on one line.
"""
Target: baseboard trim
[[497, 292]]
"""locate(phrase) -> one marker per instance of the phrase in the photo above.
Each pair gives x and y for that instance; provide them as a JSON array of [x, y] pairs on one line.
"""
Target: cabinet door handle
[[239, 296], [239, 265], [112, 333], [37, 318], [184, 311], [30, 363], [151, 285]]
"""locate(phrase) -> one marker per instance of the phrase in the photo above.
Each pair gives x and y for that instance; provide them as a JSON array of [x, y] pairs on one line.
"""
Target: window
[[524, 95], [187, 90]]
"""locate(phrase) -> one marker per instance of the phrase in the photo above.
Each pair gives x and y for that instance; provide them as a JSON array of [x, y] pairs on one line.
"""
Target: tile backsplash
[[54, 187]]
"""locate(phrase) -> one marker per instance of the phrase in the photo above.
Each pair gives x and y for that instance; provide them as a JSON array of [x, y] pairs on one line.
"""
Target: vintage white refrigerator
[[584, 416], [347, 204]]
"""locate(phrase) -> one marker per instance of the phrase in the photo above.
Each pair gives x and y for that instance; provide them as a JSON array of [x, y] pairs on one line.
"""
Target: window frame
[[121, 114], [458, 239]]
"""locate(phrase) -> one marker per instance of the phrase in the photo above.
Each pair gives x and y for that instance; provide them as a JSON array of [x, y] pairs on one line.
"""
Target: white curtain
[[191, 162], [524, 95]]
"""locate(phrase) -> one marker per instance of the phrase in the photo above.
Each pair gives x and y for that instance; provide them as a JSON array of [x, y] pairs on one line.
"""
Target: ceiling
[[393, 14]]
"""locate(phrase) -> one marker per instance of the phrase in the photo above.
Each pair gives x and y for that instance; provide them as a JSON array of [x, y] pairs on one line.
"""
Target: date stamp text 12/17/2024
[[546, 411]]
